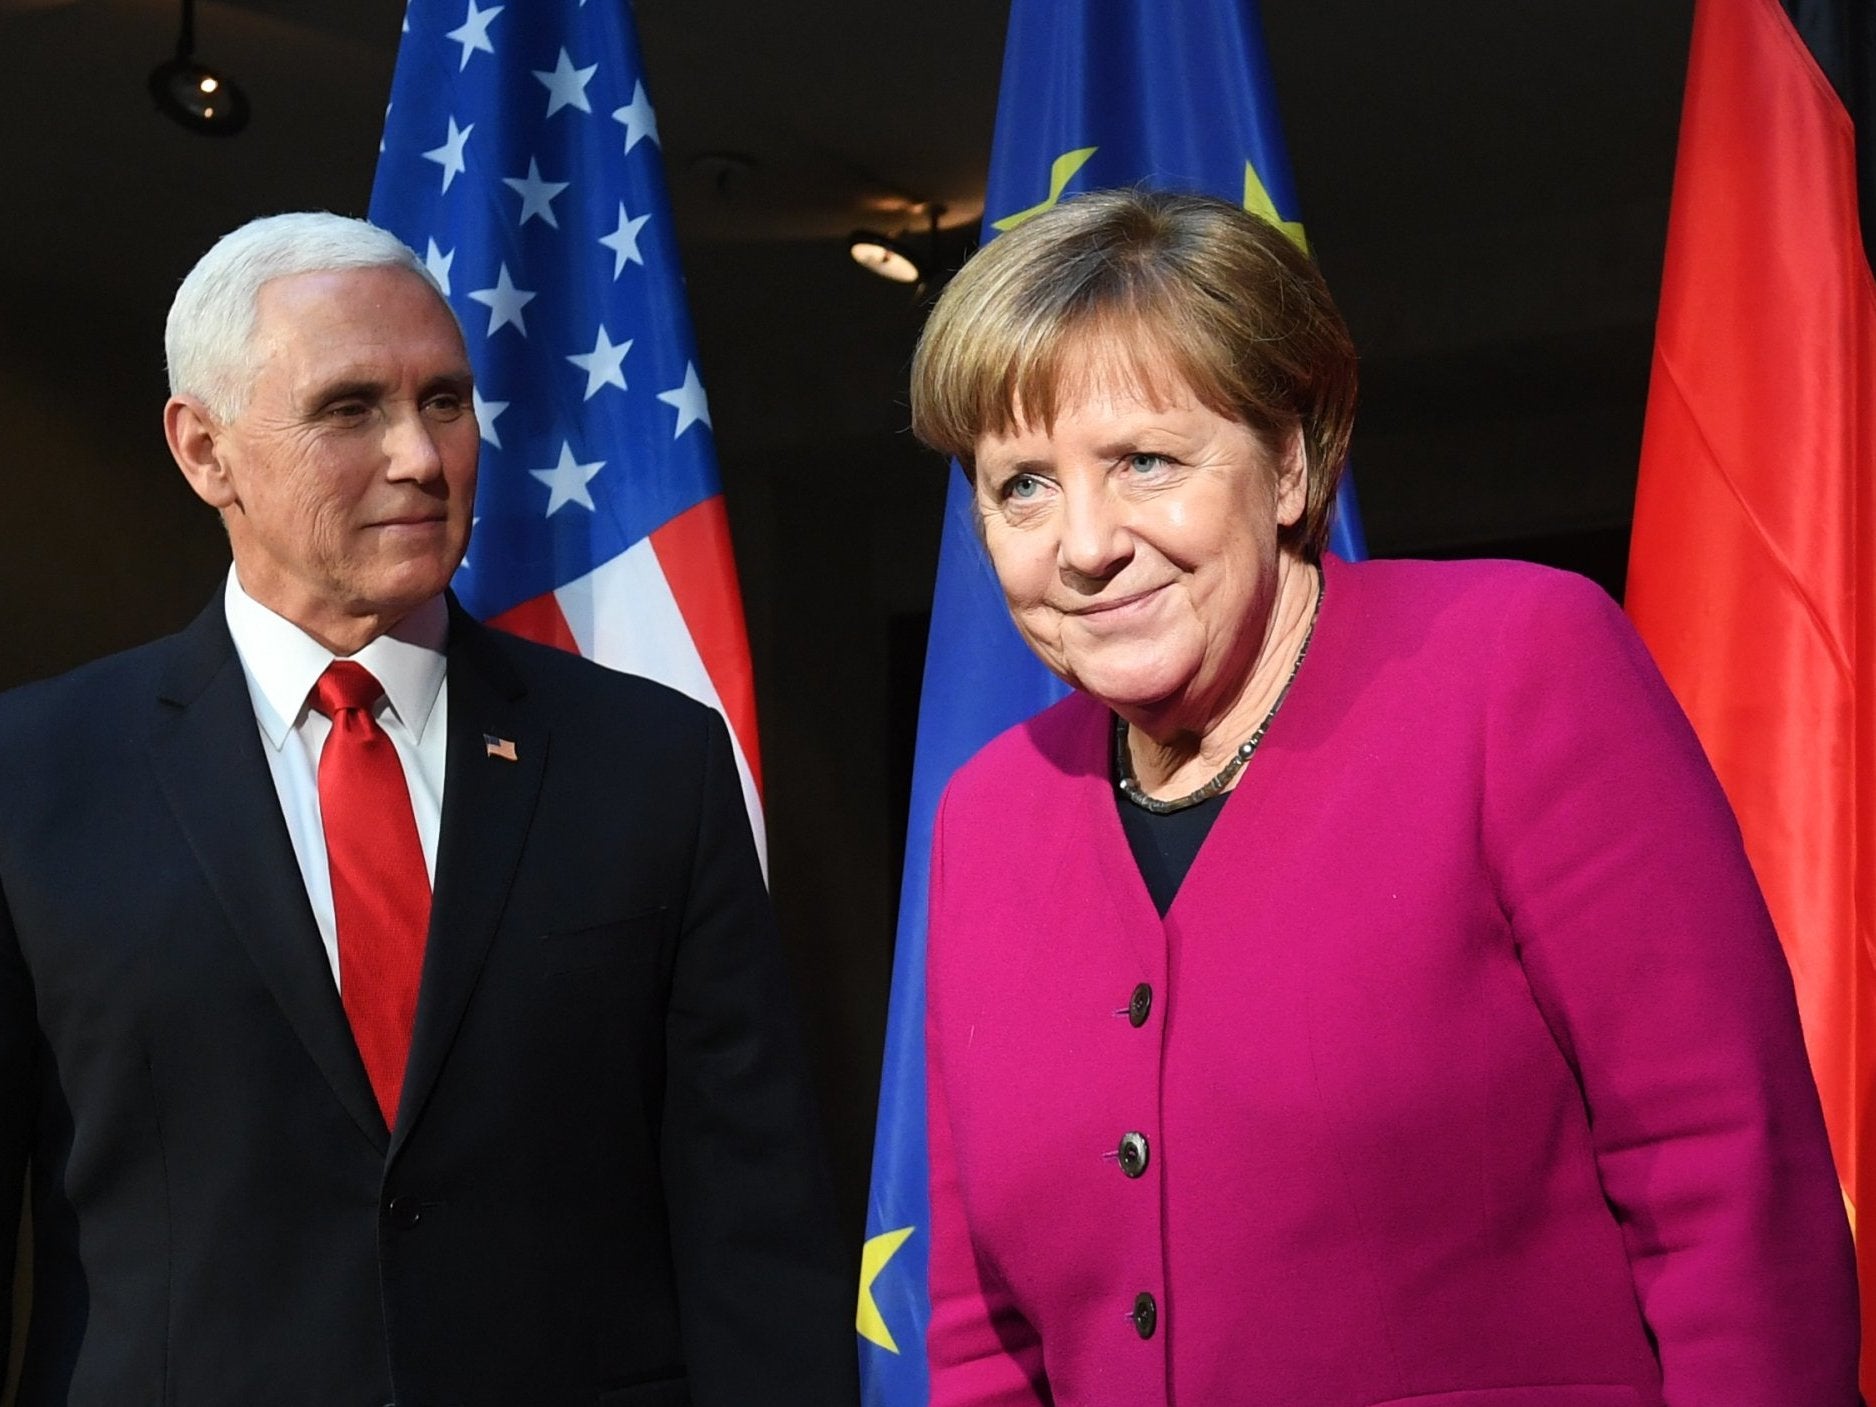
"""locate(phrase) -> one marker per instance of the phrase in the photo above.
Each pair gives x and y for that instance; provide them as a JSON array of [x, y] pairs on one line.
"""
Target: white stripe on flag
[[624, 616]]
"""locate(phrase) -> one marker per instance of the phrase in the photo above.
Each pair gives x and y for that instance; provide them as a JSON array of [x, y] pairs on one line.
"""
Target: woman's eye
[[1022, 486], [1143, 463]]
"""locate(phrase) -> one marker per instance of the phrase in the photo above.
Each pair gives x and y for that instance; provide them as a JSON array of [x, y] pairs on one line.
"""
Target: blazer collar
[[1218, 871]]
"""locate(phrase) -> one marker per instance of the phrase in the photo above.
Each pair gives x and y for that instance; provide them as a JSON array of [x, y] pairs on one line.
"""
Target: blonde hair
[[1186, 288]]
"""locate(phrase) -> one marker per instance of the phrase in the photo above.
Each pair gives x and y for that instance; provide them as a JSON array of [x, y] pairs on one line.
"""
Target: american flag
[[521, 159]]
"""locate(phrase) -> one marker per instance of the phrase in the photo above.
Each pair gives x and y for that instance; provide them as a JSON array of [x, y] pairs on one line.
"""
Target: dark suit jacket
[[605, 1185]]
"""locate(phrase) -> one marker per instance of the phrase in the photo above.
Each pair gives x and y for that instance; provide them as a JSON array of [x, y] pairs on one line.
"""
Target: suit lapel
[[206, 750], [497, 752]]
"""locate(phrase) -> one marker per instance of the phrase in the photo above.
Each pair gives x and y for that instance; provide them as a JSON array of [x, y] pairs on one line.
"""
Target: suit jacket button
[[1141, 1005], [1145, 1315], [1133, 1154], [405, 1211]]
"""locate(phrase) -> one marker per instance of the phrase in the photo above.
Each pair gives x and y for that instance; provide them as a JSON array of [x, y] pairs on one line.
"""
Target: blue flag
[[521, 158], [1096, 93]]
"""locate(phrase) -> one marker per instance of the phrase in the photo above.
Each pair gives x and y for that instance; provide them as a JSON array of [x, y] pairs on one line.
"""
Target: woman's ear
[[1293, 480], [194, 442]]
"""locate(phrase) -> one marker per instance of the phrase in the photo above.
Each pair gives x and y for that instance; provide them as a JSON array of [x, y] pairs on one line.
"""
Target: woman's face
[[1136, 543]]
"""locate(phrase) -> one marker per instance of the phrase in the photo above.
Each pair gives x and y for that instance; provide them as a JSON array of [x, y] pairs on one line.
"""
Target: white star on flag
[[450, 155], [537, 195], [486, 412], [437, 262], [689, 399], [566, 85], [473, 32], [604, 365], [638, 118], [623, 242], [566, 481], [505, 303]]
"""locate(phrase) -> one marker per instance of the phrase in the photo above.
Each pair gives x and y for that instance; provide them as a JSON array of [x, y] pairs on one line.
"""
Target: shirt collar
[[283, 662]]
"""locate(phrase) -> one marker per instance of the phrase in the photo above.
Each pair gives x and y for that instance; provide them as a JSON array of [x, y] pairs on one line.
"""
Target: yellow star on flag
[[873, 1258], [1257, 200], [1061, 171]]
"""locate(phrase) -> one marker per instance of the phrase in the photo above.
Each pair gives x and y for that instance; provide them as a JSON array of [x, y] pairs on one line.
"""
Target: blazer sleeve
[[980, 1349], [765, 1286], [1651, 955]]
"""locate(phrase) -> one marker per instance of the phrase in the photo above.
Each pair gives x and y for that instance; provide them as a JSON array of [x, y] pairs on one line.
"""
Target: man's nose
[[410, 447]]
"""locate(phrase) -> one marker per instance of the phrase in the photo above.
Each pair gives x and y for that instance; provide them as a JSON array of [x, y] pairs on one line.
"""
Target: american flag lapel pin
[[503, 748]]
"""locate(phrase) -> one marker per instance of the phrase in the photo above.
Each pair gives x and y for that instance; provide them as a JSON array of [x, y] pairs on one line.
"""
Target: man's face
[[348, 478]]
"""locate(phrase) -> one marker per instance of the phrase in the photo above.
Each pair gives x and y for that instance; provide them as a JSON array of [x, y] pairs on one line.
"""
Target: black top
[[1164, 847]]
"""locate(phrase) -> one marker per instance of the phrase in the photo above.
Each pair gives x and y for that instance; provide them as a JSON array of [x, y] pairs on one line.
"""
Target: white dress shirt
[[282, 663]]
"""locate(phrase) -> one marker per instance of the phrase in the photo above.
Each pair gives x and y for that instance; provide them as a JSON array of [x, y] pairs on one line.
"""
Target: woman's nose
[[1095, 542]]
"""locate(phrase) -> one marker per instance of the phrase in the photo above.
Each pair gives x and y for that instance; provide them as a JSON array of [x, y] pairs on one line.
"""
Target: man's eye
[[446, 406], [348, 412]]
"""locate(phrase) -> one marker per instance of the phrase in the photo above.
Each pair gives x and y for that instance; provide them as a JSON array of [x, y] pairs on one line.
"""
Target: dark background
[[1485, 185]]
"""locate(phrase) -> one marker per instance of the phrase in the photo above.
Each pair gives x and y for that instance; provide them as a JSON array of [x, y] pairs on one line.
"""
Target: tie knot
[[345, 684]]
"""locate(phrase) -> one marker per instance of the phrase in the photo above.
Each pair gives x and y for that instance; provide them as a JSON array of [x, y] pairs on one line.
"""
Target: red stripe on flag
[[540, 619], [693, 550], [1752, 573]]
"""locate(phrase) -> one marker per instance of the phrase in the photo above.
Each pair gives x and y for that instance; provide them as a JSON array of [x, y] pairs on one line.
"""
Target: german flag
[[1752, 571]]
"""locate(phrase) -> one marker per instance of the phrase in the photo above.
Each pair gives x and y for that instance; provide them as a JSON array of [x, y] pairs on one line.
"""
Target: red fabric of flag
[[1752, 571]]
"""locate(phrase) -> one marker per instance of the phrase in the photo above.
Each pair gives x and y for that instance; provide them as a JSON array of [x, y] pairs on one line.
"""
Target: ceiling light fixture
[[883, 255], [892, 256], [192, 93]]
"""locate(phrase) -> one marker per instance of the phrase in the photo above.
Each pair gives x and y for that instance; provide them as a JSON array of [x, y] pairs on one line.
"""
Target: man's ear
[[194, 437]]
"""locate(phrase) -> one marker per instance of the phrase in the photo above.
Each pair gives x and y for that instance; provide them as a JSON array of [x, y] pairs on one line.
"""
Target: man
[[390, 1009]]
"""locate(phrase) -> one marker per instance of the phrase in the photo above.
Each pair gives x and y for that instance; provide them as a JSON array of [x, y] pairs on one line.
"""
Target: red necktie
[[380, 889]]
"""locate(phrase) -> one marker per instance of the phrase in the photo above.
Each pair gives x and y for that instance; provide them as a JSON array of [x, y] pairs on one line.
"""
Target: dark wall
[[835, 514], [1489, 210]]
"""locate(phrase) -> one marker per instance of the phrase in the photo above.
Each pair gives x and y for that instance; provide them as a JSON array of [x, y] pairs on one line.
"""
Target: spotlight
[[894, 257], [192, 93], [885, 256]]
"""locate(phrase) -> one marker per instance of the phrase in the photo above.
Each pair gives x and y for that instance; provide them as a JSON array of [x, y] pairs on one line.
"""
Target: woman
[[1355, 991]]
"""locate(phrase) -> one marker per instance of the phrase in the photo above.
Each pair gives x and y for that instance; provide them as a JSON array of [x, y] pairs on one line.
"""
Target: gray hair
[[211, 321]]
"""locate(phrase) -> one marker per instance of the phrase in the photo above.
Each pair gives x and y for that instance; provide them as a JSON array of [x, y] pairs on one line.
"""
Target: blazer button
[[1145, 1315], [405, 1211], [1141, 1005], [1133, 1154]]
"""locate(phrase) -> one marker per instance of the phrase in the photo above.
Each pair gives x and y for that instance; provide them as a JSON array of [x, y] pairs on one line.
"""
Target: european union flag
[[1096, 93], [521, 157]]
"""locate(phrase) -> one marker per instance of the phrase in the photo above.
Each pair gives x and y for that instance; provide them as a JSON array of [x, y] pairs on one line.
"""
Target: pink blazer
[[1465, 1068]]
